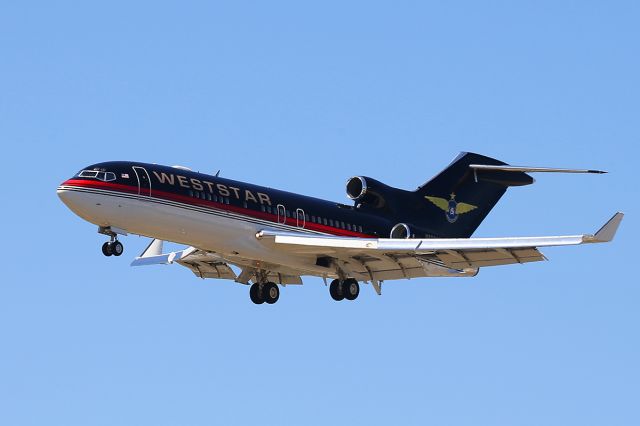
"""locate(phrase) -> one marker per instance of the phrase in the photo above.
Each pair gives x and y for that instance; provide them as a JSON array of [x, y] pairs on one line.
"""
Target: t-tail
[[455, 202]]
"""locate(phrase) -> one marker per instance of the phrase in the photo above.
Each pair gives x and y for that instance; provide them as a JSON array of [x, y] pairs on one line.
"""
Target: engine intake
[[400, 231], [356, 188], [367, 191]]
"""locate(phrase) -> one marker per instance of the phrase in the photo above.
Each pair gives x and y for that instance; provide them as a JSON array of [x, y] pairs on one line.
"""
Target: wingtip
[[609, 229]]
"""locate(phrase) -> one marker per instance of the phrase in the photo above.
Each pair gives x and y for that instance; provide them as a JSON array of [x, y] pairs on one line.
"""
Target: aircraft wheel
[[255, 294], [335, 290], [271, 293], [116, 248], [106, 249], [350, 289]]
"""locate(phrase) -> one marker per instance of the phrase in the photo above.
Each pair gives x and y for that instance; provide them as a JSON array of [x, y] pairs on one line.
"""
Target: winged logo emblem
[[451, 207]]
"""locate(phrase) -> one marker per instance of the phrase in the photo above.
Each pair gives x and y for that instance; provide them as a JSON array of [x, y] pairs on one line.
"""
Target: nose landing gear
[[112, 248]]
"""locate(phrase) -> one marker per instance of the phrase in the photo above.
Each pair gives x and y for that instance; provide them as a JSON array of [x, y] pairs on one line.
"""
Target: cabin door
[[144, 181], [300, 219], [282, 215]]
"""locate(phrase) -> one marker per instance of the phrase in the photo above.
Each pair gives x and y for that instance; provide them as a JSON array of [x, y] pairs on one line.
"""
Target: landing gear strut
[[264, 292], [348, 289]]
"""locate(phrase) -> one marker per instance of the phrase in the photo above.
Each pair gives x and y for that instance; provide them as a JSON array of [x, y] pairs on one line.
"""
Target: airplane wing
[[205, 264], [386, 259], [202, 263]]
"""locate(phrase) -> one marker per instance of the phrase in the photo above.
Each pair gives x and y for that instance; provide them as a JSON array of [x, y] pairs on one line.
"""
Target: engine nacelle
[[357, 188], [401, 231], [368, 191]]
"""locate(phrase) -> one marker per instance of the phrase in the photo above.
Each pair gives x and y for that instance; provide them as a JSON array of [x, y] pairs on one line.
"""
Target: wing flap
[[482, 258]]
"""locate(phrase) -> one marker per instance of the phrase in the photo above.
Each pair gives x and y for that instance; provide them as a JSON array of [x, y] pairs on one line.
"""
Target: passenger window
[[190, 193], [306, 217], [330, 222], [324, 220], [313, 219], [342, 225], [360, 228]]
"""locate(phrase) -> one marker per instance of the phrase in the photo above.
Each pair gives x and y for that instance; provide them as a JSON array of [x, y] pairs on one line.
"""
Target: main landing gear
[[348, 289], [264, 292], [112, 248]]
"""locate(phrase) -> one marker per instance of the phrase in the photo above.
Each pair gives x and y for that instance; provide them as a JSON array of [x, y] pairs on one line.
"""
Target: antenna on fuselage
[[218, 173]]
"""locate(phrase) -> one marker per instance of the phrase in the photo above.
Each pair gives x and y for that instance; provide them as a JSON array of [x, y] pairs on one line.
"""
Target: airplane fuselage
[[208, 212]]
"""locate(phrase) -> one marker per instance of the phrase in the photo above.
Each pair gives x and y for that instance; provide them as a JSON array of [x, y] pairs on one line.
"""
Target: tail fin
[[456, 201]]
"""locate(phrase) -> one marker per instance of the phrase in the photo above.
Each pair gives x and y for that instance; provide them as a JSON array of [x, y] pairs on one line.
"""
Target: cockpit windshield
[[103, 176]]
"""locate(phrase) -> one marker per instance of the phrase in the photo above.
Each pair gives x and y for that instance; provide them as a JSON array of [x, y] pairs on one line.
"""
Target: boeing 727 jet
[[273, 238]]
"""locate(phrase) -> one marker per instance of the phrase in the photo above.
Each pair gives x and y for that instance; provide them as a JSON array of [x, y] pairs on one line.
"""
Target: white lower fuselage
[[229, 234]]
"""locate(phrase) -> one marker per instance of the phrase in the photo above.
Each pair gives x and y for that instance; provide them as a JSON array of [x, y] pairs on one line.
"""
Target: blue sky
[[301, 97]]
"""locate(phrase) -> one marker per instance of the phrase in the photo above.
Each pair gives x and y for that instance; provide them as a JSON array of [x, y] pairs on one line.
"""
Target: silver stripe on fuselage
[[207, 210]]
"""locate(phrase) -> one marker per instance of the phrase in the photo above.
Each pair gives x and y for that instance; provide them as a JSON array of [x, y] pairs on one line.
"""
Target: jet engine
[[370, 192], [401, 231]]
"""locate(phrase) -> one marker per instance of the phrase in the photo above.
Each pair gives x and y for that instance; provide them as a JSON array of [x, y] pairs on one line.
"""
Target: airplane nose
[[66, 197], [63, 193], [78, 202]]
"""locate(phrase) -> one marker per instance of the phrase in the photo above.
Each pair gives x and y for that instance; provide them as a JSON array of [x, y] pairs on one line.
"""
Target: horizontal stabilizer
[[505, 168]]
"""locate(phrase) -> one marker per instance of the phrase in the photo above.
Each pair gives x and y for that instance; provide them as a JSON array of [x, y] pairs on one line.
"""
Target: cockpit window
[[103, 176], [88, 173], [107, 176]]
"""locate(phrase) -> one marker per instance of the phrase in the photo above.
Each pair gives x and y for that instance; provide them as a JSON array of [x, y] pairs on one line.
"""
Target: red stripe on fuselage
[[130, 189]]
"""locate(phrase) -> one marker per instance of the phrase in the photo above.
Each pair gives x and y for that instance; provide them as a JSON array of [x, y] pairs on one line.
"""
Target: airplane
[[273, 238]]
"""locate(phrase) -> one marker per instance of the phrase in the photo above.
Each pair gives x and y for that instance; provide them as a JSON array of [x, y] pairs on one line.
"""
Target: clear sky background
[[301, 96]]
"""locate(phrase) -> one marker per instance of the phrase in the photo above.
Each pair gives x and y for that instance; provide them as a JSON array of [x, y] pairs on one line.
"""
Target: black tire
[[350, 289], [106, 249], [255, 294], [271, 293], [117, 248], [335, 290]]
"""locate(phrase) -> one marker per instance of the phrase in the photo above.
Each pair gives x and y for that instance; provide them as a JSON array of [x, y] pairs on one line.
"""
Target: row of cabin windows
[[336, 223], [210, 197], [273, 210]]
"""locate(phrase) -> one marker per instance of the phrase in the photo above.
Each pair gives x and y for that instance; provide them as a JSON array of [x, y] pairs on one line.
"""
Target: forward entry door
[[144, 181]]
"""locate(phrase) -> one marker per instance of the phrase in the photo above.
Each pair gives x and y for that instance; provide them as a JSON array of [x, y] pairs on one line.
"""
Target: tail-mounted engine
[[370, 192], [401, 231]]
